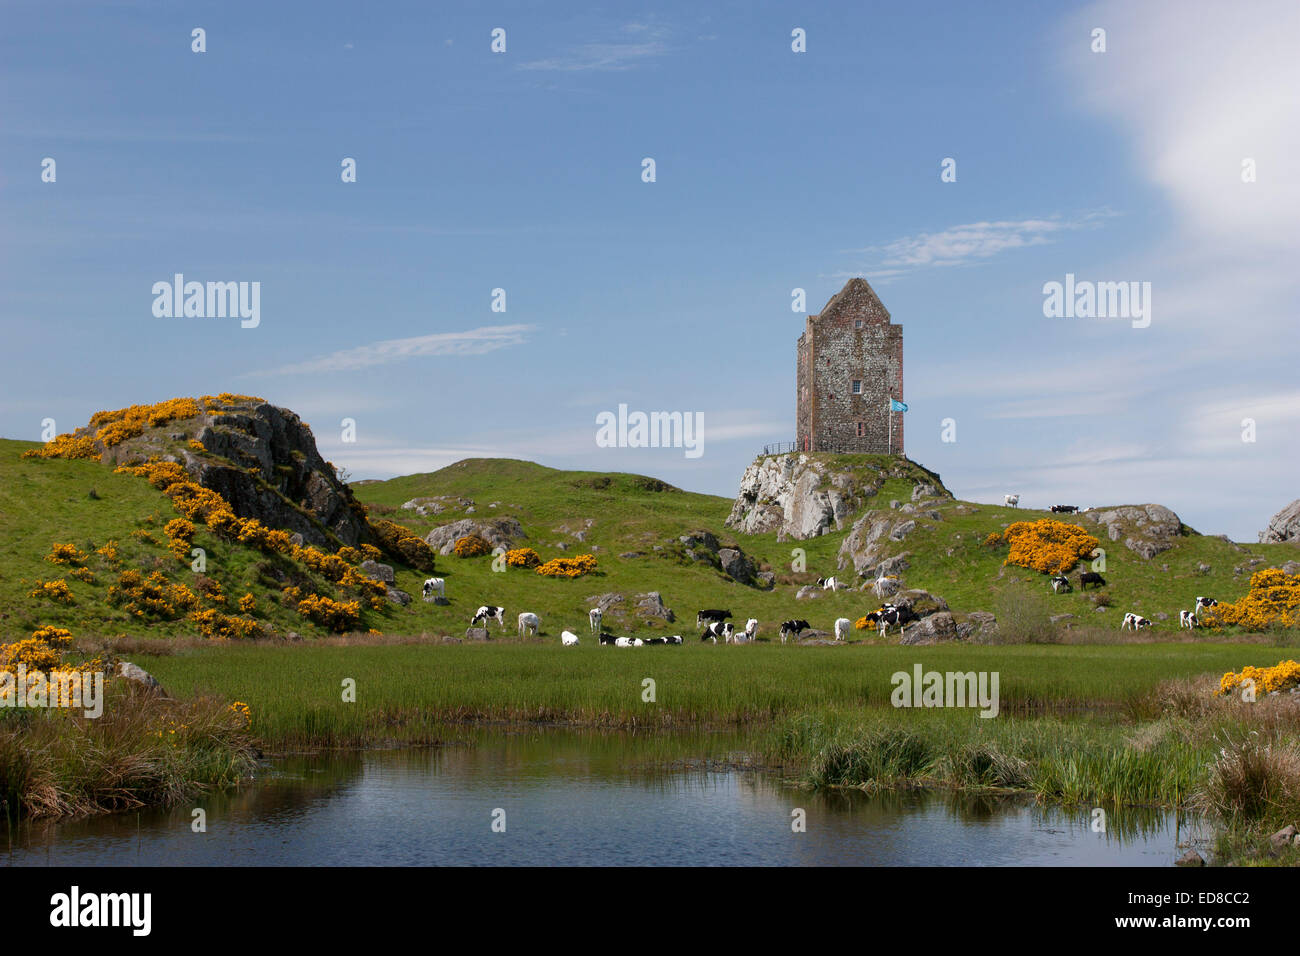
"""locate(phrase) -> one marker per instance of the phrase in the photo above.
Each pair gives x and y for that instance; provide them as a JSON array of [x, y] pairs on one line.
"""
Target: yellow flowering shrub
[[471, 546], [242, 712], [35, 654], [215, 625], [1051, 547], [52, 635], [153, 596], [523, 558], [1272, 601], [84, 575], [65, 554], [402, 544], [57, 591], [180, 537], [568, 567], [109, 552], [68, 446], [1281, 676], [862, 624], [247, 603], [196, 445], [338, 616]]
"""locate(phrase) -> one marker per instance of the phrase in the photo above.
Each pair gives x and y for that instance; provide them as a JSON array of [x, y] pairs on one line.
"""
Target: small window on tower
[[857, 323], [862, 429], [857, 386]]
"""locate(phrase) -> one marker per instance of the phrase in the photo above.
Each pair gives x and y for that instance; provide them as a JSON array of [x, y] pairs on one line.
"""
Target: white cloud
[[609, 56], [469, 342]]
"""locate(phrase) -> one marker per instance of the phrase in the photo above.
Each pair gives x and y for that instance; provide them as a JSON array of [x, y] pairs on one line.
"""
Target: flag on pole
[[896, 406]]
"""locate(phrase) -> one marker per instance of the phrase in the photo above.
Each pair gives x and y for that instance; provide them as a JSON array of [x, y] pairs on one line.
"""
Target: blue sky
[[775, 170]]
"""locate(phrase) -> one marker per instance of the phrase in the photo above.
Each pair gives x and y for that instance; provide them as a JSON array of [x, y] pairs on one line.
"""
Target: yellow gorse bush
[[523, 558], [57, 591], [338, 616], [65, 554], [471, 546], [153, 596], [569, 567], [1281, 676], [1272, 601], [1051, 547]]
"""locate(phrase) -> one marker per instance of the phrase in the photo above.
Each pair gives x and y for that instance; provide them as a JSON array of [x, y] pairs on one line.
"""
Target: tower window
[[862, 429], [857, 323], [857, 386]]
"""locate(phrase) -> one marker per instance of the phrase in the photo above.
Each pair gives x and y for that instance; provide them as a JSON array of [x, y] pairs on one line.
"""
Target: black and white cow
[[434, 588], [1061, 584], [1090, 577], [828, 584], [710, 615], [1203, 604], [486, 613], [1065, 509], [718, 629], [1187, 619], [607, 638], [792, 629], [891, 614], [1134, 622]]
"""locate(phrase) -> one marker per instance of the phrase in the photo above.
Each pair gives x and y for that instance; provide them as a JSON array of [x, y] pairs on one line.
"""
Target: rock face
[[868, 541], [736, 566], [929, 630], [1145, 529], [651, 604], [1283, 526], [138, 675], [263, 460], [377, 571], [477, 634], [802, 496], [499, 532]]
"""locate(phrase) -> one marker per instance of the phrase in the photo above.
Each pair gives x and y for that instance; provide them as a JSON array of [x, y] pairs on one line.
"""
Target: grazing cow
[[593, 618], [1061, 584], [529, 622], [718, 629], [1204, 604], [750, 632], [1090, 577], [891, 614], [607, 638], [674, 639], [623, 642], [434, 588], [792, 629], [842, 625], [486, 613], [828, 584], [1133, 622], [1187, 619], [1065, 509], [885, 586], [656, 640], [1012, 501], [568, 638], [703, 617]]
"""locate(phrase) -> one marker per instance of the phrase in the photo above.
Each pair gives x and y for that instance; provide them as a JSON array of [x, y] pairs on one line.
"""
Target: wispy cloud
[[644, 43], [469, 342], [967, 243]]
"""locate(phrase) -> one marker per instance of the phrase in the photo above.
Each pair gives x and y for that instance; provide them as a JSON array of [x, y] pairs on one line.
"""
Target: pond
[[496, 796]]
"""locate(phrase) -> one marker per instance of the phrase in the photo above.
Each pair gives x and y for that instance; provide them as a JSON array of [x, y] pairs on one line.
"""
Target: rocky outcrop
[[499, 532], [140, 677], [651, 604], [736, 565], [937, 627], [1145, 529], [378, 572], [1283, 526], [802, 496], [436, 504], [868, 542]]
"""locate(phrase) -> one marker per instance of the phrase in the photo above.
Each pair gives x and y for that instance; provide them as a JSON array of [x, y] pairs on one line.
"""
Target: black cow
[[607, 638], [703, 617], [792, 629], [1090, 577], [1065, 509]]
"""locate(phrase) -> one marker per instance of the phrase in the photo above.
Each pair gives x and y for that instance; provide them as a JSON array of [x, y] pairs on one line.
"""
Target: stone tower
[[850, 361]]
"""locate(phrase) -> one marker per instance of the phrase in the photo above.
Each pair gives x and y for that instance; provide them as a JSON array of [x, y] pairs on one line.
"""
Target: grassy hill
[[631, 523]]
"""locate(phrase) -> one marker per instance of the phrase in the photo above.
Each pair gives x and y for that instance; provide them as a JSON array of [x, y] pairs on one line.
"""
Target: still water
[[570, 797]]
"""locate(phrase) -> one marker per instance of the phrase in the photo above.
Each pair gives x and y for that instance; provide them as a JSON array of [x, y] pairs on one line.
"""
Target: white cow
[[1187, 619], [828, 584], [1013, 501], [1133, 622], [885, 586], [842, 625], [593, 617], [568, 638], [487, 613], [750, 632], [529, 622], [622, 642], [434, 588]]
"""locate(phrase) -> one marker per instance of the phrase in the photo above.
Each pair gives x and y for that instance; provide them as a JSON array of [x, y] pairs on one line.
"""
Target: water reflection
[[587, 797]]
